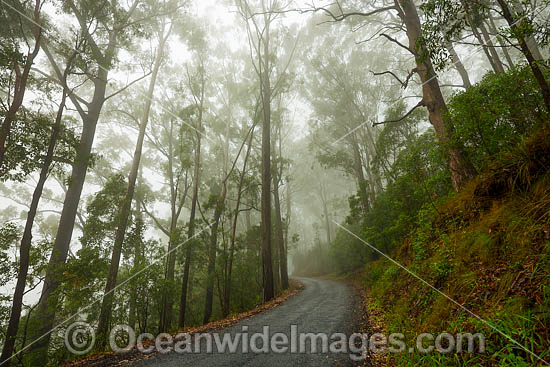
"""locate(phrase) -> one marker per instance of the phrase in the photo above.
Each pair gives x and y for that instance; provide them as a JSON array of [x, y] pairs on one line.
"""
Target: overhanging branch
[[128, 85], [420, 104], [405, 83], [391, 39]]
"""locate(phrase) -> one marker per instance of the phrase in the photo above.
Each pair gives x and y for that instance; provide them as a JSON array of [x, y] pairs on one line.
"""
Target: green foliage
[[28, 143], [9, 236], [103, 211], [416, 176], [487, 246], [494, 115], [420, 178]]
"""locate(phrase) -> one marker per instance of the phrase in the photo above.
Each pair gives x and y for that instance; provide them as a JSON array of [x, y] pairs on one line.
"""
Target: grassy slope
[[488, 248]]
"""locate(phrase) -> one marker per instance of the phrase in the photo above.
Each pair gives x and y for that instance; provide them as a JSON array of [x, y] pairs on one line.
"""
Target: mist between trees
[[165, 164]]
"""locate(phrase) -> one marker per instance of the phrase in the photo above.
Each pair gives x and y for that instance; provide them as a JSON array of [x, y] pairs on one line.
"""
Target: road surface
[[324, 306]]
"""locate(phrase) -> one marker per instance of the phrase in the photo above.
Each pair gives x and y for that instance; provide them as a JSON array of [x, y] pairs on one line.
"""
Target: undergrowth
[[488, 248]]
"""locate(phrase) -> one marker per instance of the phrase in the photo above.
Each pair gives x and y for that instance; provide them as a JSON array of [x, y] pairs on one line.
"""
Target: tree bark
[[176, 206], [190, 234], [535, 68], [227, 296], [49, 299], [288, 216], [461, 169], [459, 66], [494, 54], [191, 229], [494, 30], [475, 31], [279, 232], [137, 265], [360, 175], [530, 40], [212, 255], [165, 320], [265, 226], [26, 241]]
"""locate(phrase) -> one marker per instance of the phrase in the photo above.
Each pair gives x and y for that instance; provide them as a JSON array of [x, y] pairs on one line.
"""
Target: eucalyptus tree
[[226, 300], [163, 30], [432, 97], [26, 241], [259, 20], [245, 97], [170, 142], [196, 83], [448, 19], [344, 104], [520, 28], [227, 88], [270, 61], [279, 176], [112, 26]]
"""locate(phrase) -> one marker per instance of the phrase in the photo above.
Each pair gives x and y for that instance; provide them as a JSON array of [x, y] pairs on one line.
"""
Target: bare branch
[[397, 43], [335, 17], [405, 83], [420, 104], [157, 222], [74, 98], [128, 85]]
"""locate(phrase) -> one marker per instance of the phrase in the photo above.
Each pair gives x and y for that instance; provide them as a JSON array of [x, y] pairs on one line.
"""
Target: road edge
[[110, 359]]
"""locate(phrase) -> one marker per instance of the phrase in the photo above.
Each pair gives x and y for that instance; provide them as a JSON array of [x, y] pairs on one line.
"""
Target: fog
[[205, 151]]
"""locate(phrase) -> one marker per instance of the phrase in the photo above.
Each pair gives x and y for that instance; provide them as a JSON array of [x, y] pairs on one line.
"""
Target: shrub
[[496, 113]]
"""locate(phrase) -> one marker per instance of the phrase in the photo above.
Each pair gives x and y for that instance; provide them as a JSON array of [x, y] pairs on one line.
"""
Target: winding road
[[324, 306]]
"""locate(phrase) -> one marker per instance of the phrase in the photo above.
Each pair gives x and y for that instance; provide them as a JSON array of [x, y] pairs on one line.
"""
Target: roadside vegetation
[[487, 247]]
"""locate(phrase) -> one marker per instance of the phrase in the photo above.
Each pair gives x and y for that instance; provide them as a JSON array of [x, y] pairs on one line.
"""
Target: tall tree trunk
[[459, 66], [247, 221], [44, 322], [535, 68], [521, 8], [227, 296], [26, 241], [494, 30], [327, 222], [265, 226], [212, 255], [20, 85], [494, 54], [132, 312], [137, 265], [461, 169], [190, 232], [477, 35], [288, 216], [279, 232], [167, 303], [360, 175], [124, 214]]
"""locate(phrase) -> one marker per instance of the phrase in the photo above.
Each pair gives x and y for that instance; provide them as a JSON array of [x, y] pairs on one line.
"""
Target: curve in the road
[[324, 306]]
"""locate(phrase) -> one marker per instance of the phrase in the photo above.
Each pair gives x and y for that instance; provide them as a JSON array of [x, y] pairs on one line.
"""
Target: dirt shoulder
[[367, 318]]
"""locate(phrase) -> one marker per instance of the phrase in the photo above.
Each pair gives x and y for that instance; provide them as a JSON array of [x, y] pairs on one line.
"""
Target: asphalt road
[[324, 306]]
